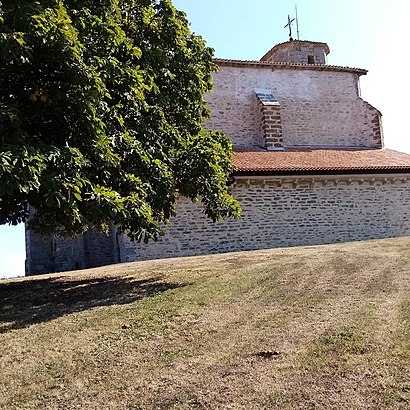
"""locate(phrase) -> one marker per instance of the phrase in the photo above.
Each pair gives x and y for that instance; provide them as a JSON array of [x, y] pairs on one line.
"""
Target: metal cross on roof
[[290, 27]]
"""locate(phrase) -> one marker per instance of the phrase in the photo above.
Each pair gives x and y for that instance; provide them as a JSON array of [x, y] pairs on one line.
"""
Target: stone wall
[[46, 254], [101, 249], [39, 254], [298, 52], [318, 108], [277, 212], [288, 212]]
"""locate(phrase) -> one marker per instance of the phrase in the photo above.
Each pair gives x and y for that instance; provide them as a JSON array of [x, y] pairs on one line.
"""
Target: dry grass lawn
[[324, 327]]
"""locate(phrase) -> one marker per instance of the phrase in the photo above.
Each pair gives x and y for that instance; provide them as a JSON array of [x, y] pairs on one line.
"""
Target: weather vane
[[290, 21]]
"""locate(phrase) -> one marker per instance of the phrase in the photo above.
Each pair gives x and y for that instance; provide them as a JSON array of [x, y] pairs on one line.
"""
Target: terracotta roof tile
[[313, 159]]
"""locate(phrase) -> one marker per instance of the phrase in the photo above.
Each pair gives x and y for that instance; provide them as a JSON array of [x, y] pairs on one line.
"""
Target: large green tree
[[101, 117]]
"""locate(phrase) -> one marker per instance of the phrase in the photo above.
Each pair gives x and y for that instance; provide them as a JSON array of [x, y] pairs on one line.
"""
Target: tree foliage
[[101, 117]]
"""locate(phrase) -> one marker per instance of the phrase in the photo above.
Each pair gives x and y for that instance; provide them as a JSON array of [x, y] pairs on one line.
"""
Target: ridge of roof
[[284, 65]]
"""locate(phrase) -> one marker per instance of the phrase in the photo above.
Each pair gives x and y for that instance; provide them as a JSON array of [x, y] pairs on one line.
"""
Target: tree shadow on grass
[[41, 300]]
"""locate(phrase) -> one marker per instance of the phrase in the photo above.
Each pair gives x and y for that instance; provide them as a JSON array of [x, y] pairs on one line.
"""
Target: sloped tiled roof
[[303, 160]]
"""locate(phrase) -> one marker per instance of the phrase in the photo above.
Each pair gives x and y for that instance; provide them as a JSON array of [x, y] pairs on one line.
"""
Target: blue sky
[[369, 34]]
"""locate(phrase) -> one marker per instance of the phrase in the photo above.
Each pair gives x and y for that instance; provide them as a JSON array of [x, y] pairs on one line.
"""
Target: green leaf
[[101, 113]]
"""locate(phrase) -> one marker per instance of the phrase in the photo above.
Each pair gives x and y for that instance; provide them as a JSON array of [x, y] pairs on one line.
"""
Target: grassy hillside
[[325, 327]]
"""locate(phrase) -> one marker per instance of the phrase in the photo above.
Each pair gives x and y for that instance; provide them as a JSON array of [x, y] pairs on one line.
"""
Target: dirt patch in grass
[[324, 327]]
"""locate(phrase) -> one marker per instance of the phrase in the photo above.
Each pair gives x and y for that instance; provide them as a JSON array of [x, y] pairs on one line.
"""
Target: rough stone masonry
[[310, 168]]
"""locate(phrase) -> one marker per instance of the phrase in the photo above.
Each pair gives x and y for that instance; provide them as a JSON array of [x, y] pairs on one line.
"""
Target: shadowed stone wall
[[48, 254]]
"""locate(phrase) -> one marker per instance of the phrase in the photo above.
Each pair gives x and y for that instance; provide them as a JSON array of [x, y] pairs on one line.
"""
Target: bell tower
[[298, 52]]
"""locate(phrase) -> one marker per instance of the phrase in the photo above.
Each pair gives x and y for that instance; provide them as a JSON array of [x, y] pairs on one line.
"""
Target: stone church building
[[311, 168]]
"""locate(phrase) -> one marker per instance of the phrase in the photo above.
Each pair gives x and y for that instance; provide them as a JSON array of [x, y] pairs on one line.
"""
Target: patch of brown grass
[[324, 327]]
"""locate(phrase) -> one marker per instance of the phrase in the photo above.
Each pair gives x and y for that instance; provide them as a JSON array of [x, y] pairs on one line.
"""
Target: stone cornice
[[322, 180]]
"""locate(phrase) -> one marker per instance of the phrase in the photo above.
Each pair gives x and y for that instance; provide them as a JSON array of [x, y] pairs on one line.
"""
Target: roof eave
[[347, 171], [279, 65]]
